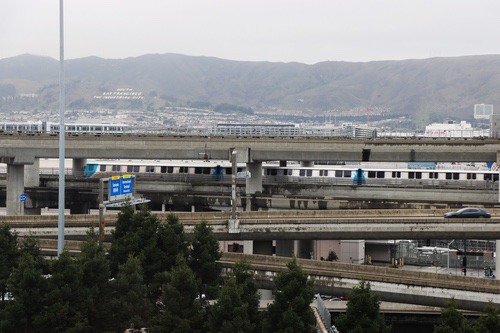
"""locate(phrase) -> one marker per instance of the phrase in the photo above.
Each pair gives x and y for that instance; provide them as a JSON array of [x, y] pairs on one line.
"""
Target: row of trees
[[154, 277]]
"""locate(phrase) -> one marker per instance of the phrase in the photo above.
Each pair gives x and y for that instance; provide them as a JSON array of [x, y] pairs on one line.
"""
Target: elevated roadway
[[289, 224], [24, 148], [332, 278]]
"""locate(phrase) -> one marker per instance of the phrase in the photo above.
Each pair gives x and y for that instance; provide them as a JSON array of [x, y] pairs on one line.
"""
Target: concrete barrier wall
[[374, 273]]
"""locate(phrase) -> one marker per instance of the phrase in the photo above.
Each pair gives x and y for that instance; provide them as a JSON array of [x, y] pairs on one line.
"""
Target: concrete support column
[[32, 174], [263, 247], [248, 247], [15, 187], [79, 166], [305, 249], [254, 183], [307, 164], [285, 248]]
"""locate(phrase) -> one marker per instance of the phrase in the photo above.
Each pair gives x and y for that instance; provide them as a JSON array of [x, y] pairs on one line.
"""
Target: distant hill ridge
[[434, 88]]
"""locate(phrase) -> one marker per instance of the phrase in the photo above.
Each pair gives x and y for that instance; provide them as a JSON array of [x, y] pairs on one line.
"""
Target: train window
[[372, 174], [150, 168], [414, 175], [347, 174], [136, 168], [274, 172], [198, 170], [456, 176], [239, 169], [433, 175], [396, 174], [323, 173], [287, 172], [163, 169], [229, 171], [170, 169], [471, 176], [338, 173], [449, 175], [309, 173], [302, 172], [380, 174], [130, 168], [183, 170], [487, 176], [102, 167], [495, 177], [115, 168], [206, 171]]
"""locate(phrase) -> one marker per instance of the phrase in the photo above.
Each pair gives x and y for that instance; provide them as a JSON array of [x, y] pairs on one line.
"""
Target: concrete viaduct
[[20, 150], [332, 278]]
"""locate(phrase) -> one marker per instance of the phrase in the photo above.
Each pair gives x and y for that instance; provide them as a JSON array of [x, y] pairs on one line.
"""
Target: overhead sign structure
[[115, 192], [120, 188]]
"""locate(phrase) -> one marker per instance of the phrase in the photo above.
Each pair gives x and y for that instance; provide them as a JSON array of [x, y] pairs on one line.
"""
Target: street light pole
[[449, 244], [60, 229]]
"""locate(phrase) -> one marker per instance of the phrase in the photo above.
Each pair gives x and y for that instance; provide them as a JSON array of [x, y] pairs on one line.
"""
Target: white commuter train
[[336, 174], [33, 127]]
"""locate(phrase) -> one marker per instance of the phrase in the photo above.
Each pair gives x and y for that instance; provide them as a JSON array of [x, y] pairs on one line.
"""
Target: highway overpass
[[290, 224], [332, 278]]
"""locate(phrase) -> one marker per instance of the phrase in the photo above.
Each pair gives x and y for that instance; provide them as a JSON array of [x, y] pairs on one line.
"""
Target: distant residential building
[[483, 111], [453, 130], [495, 126]]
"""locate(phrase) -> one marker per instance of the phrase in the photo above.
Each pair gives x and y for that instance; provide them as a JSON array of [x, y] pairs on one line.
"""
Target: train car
[[215, 169], [324, 174], [54, 128]]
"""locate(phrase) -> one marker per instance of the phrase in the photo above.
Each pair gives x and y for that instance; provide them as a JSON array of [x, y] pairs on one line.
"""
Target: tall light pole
[[62, 127]]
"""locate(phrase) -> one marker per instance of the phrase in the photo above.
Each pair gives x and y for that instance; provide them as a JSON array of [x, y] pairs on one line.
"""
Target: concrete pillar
[[248, 247], [305, 249], [32, 174], [254, 183], [307, 164], [352, 251], [15, 187], [263, 247], [79, 166], [285, 248]]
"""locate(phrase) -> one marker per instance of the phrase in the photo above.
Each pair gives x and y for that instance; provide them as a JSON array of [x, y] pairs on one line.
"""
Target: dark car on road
[[469, 212]]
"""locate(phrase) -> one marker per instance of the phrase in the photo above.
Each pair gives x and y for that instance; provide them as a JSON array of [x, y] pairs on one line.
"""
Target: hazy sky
[[307, 31]]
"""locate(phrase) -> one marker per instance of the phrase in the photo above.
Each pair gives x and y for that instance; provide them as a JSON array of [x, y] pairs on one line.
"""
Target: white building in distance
[[453, 130]]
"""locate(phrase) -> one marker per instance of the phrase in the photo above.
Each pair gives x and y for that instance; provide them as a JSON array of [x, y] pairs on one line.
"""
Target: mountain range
[[435, 88]]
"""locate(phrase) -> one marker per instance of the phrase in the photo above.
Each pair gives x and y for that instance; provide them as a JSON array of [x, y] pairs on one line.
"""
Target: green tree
[[452, 320], [134, 232], [129, 303], [490, 323], [168, 242], [203, 259], [291, 311], [8, 256], [64, 309], [236, 309], [332, 256], [28, 287], [182, 311], [96, 274], [363, 312]]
